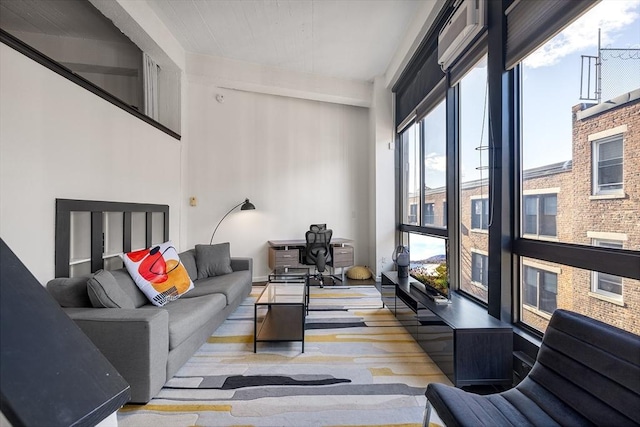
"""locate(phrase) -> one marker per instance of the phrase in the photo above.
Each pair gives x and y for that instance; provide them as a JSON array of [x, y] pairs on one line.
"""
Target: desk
[[287, 253]]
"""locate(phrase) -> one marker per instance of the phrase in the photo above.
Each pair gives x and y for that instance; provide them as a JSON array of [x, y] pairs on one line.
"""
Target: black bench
[[586, 373]]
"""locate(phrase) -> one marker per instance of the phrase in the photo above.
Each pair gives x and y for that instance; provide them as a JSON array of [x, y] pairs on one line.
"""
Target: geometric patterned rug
[[360, 368]]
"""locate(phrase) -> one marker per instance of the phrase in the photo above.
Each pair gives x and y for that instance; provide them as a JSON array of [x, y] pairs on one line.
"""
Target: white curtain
[[150, 82]]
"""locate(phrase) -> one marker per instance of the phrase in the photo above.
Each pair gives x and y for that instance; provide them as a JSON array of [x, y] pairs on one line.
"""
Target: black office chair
[[317, 227], [318, 250]]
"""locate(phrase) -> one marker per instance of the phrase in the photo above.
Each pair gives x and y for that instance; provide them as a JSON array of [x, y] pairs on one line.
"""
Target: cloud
[[433, 161], [581, 36]]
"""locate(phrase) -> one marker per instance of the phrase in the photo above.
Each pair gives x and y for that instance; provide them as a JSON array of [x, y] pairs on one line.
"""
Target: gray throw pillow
[[104, 292], [70, 291], [213, 260], [188, 259]]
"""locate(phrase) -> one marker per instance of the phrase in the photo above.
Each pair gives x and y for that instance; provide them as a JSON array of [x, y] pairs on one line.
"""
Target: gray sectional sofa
[[145, 343]]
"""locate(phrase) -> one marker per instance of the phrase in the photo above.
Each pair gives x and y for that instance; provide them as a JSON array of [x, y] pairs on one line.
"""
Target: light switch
[[193, 201]]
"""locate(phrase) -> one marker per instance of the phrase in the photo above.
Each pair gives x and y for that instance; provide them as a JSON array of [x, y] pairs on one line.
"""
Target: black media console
[[470, 346]]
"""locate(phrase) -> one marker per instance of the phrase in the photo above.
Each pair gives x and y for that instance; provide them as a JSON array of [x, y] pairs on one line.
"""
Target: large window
[[410, 148], [537, 169], [435, 165], [574, 177], [475, 203]]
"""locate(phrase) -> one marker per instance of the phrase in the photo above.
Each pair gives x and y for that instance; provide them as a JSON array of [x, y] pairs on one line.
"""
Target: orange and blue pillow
[[158, 272]]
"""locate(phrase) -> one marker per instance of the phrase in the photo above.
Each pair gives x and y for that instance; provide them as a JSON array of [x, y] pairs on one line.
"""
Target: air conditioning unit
[[460, 31]]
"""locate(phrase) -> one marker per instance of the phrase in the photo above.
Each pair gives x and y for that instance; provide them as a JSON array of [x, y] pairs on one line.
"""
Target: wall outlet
[[193, 201]]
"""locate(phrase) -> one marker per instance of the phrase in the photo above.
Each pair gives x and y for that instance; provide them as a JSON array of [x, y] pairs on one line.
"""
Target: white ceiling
[[352, 39]]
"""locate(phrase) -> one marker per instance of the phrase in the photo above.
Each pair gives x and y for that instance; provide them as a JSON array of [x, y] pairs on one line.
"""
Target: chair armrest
[[135, 341], [238, 264]]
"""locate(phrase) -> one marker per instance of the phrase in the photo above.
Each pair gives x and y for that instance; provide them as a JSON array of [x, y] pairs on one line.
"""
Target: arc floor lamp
[[246, 206]]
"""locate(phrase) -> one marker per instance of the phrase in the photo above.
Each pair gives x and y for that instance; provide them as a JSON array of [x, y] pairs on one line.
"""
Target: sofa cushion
[[129, 286], [187, 315], [104, 292], [188, 259], [231, 285], [70, 291], [158, 273], [213, 260]]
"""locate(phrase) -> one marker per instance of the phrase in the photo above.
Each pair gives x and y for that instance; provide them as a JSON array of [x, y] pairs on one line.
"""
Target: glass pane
[[410, 175], [610, 283], [428, 261], [474, 189], [610, 150], [435, 163], [571, 288], [571, 146]]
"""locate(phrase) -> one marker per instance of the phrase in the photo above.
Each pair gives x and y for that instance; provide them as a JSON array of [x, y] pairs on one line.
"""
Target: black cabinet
[[470, 346], [388, 291]]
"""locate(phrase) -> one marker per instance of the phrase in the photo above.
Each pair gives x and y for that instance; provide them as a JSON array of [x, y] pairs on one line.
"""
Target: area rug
[[360, 368]]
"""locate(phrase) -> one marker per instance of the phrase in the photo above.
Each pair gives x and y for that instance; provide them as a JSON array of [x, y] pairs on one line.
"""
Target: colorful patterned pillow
[[158, 273]]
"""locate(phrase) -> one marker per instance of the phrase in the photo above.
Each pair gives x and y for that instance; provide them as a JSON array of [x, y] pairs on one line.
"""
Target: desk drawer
[[342, 256], [283, 258]]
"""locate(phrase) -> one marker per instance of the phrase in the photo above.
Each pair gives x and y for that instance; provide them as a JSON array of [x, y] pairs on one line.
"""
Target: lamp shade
[[247, 206]]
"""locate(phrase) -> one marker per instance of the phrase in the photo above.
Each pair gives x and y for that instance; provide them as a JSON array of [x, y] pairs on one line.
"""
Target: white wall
[[383, 221], [299, 161], [58, 140]]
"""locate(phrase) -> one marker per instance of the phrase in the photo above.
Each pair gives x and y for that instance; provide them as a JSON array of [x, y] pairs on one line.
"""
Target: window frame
[[538, 215], [429, 214], [595, 168], [540, 281], [597, 275], [484, 269], [484, 213], [507, 245]]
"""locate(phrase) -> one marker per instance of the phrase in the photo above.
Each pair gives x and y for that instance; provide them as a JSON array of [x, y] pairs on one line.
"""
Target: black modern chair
[[317, 227], [318, 250]]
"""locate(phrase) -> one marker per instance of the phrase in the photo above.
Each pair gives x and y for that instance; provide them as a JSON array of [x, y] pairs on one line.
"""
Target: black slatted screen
[[531, 23], [423, 73]]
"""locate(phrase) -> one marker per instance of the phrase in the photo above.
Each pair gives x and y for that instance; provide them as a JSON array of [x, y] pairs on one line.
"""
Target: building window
[[539, 217], [480, 214], [479, 268], [607, 165], [409, 141], [603, 283], [413, 214], [429, 214], [444, 214], [539, 289]]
